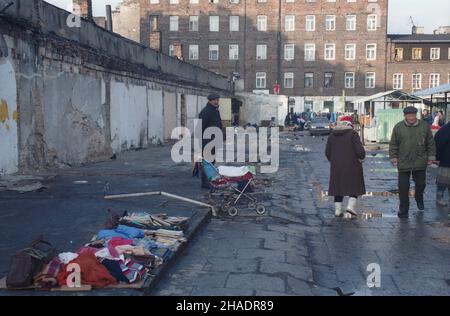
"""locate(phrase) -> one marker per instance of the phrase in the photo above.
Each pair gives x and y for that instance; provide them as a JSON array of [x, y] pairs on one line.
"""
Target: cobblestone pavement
[[300, 248]]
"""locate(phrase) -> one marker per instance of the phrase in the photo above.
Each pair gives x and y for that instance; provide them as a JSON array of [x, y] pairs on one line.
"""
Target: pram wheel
[[260, 209], [232, 211]]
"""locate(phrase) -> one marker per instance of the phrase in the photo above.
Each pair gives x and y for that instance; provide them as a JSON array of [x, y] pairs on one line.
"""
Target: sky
[[428, 13]]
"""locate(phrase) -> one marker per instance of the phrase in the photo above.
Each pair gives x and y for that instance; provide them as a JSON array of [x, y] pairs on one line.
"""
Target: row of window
[[289, 51], [416, 53], [434, 81], [261, 23], [329, 80], [237, 1]]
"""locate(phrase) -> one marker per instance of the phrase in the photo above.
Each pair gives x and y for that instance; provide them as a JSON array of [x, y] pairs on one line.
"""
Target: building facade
[[317, 50], [418, 61]]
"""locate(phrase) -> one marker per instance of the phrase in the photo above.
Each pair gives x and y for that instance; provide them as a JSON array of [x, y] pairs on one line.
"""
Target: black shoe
[[420, 206], [403, 214]]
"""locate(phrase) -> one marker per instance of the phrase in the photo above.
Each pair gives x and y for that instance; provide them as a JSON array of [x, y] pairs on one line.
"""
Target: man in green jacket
[[411, 150]]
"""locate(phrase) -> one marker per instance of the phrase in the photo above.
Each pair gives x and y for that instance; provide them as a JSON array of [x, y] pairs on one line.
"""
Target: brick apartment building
[[418, 61], [317, 50]]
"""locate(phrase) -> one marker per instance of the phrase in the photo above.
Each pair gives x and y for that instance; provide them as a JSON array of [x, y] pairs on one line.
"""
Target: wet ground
[[302, 249], [298, 248]]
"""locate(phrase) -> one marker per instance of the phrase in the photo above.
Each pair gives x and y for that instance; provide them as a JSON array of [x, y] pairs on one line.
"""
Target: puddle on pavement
[[392, 170]]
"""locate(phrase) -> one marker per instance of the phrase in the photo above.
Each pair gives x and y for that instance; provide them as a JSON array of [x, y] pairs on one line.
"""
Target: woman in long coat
[[345, 153]]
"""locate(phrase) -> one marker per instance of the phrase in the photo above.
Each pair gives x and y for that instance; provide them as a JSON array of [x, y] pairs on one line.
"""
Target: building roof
[[445, 88], [420, 38], [389, 96]]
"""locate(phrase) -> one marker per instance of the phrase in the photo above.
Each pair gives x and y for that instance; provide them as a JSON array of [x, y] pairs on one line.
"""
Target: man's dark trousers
[[419, 178]]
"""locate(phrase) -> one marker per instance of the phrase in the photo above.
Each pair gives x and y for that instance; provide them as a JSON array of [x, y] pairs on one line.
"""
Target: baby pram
[[234, 182]]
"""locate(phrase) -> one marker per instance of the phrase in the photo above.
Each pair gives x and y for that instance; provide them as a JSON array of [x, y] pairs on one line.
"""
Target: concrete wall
[[257, 108], [74, 95], [8, 118]]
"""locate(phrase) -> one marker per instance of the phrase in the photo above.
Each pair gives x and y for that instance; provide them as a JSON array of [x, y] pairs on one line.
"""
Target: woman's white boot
[[352, 206], [338, 209]]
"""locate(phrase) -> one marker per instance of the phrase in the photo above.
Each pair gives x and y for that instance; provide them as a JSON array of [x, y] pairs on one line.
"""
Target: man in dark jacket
[[442, 140], [411, 150], [210, 117]]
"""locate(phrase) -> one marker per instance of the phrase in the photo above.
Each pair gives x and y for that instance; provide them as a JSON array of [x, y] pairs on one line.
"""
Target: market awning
[[445, 88], [390, 96]]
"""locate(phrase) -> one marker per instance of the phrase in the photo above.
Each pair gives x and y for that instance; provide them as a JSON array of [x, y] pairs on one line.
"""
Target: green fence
[[386, 120]]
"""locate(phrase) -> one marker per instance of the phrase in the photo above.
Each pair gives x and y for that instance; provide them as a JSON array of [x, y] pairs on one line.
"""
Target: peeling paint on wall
[[8, 118]]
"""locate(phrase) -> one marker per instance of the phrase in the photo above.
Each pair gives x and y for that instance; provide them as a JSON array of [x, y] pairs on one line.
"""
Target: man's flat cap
[[409, 110], [213, 96]]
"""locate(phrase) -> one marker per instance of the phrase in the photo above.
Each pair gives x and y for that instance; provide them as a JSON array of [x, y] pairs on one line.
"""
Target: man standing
[[442, 139], [426, 116], [210, 117], [411, 149]]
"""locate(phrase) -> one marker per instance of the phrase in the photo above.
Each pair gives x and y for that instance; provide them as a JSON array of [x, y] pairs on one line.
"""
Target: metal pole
[[109, 23]]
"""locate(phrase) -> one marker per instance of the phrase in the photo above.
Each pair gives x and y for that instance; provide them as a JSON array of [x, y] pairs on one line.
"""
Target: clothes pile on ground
[[124, 253]]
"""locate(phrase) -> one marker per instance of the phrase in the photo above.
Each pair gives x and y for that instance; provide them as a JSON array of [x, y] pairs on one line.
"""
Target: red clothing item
[[92, 272], [117, 241]]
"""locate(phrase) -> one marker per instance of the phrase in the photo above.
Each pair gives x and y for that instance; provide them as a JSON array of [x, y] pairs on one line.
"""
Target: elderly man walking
[[411, 150]]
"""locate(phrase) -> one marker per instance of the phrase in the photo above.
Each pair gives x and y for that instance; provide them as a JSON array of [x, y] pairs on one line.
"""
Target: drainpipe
[[109, 22]]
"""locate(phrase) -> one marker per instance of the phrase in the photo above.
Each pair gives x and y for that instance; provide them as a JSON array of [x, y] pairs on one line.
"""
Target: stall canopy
[[442, 89], [390, 96]]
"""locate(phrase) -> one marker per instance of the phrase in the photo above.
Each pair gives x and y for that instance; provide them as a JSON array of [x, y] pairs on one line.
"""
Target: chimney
[[418, 30], [178, 51], [83, 8]]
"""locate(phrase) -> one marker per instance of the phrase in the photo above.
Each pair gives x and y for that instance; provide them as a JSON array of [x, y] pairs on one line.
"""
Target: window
[[234, 1], [330, 22], [371, 51], [417, 53], [193, 1], [153, 23], [330, 51], [261, 52], [310, 52], [174, 1], [290, 1], [171, 50], [260, 80], [214, 1], [289, 80], [214, 23], [193, 52], [173, 23], [372, 22], [434, 80], [289, 23], [193, 23], [398, 81], [349, 80], [329, 80], [234, 52], [289, 51], [234, 23], [261, 23], [417, 81], [448, 79], [398, 54], [351, 23], [213, 52], [370, 80], [449, 53], [435, 53], [262, 1], [309, 80], [350, 51], [154, 1], [310, 23]]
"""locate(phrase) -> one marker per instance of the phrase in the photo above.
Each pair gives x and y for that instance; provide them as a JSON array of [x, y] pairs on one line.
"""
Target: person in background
[[442, 140], [411, 150], [345, 153], [426, 116]]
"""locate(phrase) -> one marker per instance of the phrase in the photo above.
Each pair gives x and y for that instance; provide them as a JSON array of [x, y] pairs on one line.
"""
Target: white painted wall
[[129, 118], [155, 116], [170, 113], [191, 110], [8, 118], [257, 108]]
